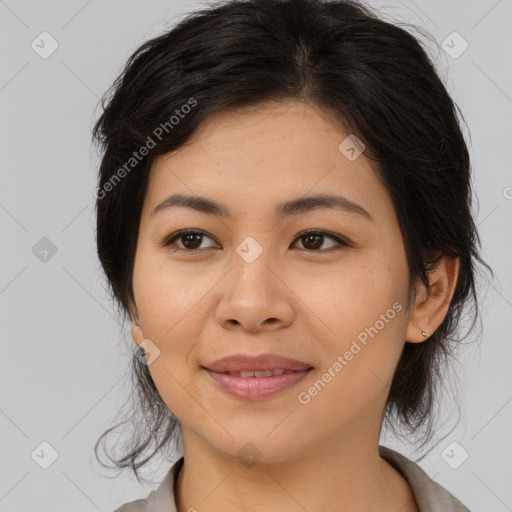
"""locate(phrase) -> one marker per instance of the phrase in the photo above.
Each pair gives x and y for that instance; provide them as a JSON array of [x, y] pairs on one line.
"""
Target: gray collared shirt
[[429, 495]]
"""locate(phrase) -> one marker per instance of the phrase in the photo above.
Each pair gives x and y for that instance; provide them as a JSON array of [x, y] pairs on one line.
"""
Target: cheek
[[167, 294], [343, 301], [359, 317], [170, 305], [358, 363]]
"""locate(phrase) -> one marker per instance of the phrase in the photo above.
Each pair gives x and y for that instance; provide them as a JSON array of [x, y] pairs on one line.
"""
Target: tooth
[[259, 373], [263, 373]]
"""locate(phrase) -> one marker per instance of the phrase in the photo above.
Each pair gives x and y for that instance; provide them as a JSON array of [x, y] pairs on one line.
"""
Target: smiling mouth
[[257, 384]]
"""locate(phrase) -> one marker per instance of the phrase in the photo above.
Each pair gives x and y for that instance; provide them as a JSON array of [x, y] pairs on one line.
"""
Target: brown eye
[[190, 241], [313, 240]]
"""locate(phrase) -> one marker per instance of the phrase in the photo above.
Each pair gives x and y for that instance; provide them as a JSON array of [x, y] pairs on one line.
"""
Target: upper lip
[[242, 362]]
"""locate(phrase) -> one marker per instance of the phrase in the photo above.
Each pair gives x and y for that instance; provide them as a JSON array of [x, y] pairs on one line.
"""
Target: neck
[[328, 477]]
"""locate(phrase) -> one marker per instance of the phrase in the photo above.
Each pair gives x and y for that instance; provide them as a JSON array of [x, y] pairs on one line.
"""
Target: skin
[[295, 299]]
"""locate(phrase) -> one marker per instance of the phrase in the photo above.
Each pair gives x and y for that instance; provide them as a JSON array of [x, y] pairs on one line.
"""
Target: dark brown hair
[[374, 76]]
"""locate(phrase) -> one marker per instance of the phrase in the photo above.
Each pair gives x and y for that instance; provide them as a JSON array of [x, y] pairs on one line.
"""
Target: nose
[[254, 296]]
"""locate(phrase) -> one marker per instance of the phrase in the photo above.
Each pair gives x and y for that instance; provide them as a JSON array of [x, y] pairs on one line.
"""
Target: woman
[[283, 211]]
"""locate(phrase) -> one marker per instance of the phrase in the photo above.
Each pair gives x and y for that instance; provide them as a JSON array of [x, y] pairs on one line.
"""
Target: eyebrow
[[288, 208]]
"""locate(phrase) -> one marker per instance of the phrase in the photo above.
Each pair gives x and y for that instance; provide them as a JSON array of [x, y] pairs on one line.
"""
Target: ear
[[431, 305], [136, 328]]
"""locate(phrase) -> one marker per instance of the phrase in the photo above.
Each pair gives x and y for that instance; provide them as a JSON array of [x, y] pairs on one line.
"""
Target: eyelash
[[178, 234]]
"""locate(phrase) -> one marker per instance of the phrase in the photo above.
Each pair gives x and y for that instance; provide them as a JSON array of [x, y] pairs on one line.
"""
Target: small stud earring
[[424, 333]]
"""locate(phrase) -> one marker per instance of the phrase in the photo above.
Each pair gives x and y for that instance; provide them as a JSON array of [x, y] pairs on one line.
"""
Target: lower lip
[[256, 388]]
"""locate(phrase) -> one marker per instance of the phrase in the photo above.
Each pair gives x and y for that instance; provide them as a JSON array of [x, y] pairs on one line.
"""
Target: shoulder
[[134, 506], [160, 499], [148, 504], [429, 495]]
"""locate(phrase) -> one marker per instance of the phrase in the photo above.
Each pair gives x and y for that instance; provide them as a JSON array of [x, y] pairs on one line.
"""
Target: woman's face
[[252, 283]]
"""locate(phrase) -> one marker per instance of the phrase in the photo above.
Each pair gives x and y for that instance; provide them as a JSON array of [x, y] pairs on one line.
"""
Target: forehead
[[260, 156]]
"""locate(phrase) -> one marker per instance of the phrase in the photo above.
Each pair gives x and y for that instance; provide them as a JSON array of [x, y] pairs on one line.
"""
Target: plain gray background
[[64, 365]]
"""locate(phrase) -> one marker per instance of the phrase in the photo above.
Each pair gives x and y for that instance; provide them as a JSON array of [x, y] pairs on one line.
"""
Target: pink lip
[[255, 388], [243, 362]]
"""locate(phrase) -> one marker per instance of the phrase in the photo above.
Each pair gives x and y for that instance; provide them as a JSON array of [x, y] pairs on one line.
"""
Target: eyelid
[[341, 240], [177, 234]]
